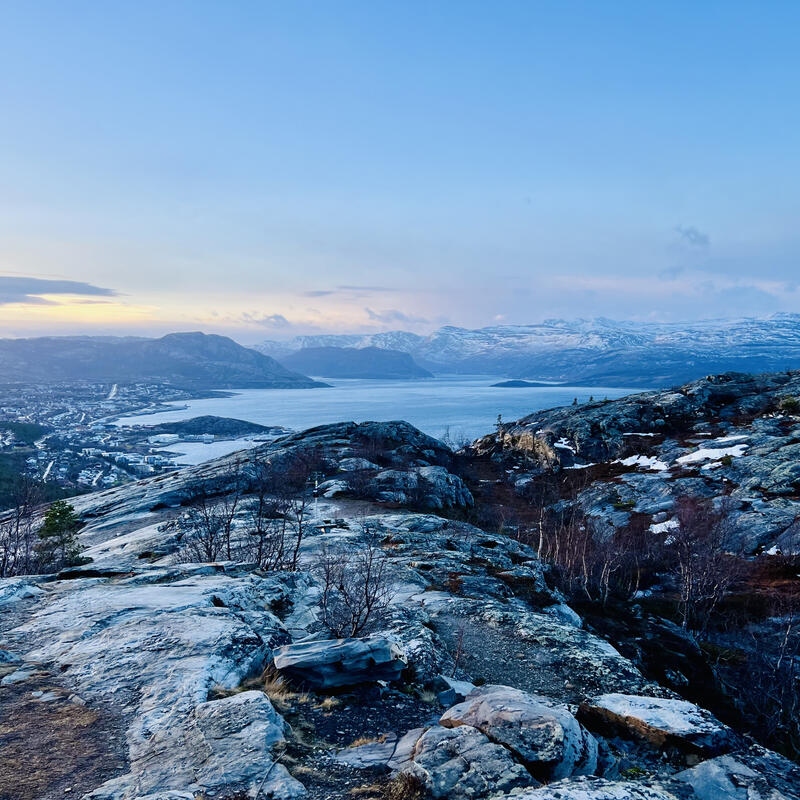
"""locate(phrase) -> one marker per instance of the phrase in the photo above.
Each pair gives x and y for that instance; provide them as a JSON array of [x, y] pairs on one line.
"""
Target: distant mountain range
[[355, 362], [596, 351], [192, 360]]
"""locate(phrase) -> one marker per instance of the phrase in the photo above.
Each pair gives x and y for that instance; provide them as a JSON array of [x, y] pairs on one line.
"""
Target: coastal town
[[65, 436]]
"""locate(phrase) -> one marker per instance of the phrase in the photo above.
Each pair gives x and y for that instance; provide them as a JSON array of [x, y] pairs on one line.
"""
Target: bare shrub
[[356, 587], [18, 535], [594, 564], [771, 691], [705, 568], [277, 516], [200, 531]]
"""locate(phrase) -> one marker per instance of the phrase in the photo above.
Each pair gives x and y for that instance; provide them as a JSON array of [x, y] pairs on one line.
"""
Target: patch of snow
[[640, 434], [663, 527], [708, 453], [645, 462], [563, 444], [582, 466]]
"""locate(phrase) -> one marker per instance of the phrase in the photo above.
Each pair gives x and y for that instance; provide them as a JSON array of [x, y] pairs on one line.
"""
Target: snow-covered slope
[[591, 351]]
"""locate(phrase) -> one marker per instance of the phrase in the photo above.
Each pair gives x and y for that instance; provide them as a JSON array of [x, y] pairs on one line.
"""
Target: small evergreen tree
[[58, 543]]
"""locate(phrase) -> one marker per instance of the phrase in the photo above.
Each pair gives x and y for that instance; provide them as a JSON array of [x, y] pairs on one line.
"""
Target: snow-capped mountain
[[597, 351], [389, 340]]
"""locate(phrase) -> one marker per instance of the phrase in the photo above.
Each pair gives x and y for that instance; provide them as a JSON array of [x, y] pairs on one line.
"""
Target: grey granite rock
[[462, 763], [597, 789], [332, 663], [660, 721], [541, 734]]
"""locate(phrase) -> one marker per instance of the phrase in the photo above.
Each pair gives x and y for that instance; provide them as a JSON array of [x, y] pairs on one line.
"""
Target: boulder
[[442, 489], [430, 486], [333, 488], [755, 774], [356, 465], [451, 691], [332, 663], [542, 735], [461, 763], [660, 721], [12, 590], [232, 739]]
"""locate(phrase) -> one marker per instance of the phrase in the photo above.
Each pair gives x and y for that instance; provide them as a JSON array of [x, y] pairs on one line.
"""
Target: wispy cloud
[[31, 291], [351, 288], [348, 289], [392, 315], [274, 321], [692, 236]]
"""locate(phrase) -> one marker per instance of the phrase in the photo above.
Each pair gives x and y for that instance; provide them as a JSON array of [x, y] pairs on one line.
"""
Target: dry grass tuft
[[369, 791], [328, 704], [303, 771], [368, 740], [404, 786], [428, 696], [279, 691]]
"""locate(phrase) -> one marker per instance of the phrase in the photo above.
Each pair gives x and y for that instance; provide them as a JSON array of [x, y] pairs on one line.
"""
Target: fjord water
[[467, 406]]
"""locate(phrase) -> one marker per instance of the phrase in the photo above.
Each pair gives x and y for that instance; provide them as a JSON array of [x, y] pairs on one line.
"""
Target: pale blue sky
[[265, 168]]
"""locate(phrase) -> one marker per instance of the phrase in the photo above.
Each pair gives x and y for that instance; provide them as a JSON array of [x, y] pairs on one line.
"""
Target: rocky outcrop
[[333, 663], [159, 642], [541, 734], [753, 774], [412, 470], [226, 742], [462, 763], [728, 436], [430, 487], [174, 652], [663, 722]]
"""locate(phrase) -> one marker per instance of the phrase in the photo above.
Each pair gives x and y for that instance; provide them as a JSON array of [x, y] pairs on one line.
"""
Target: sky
[[266, 169]]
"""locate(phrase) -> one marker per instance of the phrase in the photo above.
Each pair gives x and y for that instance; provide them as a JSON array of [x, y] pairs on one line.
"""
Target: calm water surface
[[466, 406]]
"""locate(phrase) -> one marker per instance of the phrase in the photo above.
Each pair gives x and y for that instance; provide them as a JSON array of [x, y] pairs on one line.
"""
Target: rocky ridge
[[730, 436], [191, 360], [172, 655]]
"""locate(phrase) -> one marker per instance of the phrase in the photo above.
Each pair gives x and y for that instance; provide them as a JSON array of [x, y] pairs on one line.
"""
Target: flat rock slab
[[596, 789], [369, 755], [154, 645], [332, 663], [541, 734], [659, 721]]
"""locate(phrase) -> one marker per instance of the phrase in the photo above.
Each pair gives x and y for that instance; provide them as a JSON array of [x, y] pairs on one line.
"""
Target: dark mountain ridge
[[353, 362], [195, 360]]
